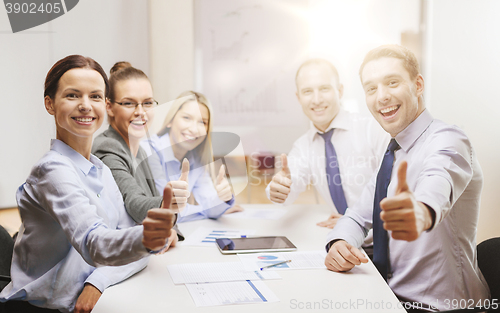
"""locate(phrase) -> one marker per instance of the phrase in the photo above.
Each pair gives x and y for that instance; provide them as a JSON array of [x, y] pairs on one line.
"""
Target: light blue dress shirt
[[73, 224], [165, 167], [444, 173]]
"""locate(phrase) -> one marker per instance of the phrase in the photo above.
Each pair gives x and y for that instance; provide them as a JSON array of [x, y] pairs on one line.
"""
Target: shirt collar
[[81, 162], [407, 138], [168, 153], [341, 121]]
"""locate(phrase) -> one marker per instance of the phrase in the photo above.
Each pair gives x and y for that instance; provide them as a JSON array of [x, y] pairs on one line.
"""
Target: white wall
[[462, 83], [108, 31], [171, 28]]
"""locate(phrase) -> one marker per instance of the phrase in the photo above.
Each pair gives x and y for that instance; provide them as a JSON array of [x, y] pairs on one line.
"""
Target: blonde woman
[[186, 134]]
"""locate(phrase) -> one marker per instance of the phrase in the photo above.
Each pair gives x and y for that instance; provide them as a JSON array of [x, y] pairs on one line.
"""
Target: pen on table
[[275, 264]]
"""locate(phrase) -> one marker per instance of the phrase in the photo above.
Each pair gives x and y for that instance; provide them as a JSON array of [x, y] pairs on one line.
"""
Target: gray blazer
[[135, 181]]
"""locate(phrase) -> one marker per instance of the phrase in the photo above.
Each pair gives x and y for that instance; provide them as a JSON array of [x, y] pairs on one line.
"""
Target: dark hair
[[66, 64], [122, 71], [410, 62]]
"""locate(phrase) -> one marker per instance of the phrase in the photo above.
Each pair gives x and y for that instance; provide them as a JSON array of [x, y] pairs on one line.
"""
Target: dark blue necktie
[[333, 174], [380, 236]]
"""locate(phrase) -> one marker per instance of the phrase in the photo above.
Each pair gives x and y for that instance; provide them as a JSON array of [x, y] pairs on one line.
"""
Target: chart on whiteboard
[[251, 51]]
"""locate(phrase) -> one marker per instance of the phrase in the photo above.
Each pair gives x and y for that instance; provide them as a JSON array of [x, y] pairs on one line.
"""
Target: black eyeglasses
[[146, 105]]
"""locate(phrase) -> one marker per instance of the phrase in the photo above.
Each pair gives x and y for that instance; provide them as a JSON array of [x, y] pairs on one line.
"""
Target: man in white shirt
[[424, 229], [358, 142]]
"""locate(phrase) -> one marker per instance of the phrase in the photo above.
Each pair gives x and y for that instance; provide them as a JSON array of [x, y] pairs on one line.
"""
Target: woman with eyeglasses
[[76, 238], [186, 133], [129, 106]]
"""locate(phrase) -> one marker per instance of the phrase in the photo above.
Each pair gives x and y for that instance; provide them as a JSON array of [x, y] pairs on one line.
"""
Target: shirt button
[[389, 275], [98, 195]]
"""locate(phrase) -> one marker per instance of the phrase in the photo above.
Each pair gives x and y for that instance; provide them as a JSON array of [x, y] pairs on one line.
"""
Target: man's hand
[[158, 224], [342, 257], [281, 183], [180, 189], [87, 299], [402, 214], [331, 221], [222, 185]]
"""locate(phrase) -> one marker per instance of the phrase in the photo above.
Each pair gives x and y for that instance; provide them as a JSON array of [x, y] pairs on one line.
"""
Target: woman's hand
[[172, 241], [234, 209], [222, 185], [87, 299], [158, 224], [180, 189]]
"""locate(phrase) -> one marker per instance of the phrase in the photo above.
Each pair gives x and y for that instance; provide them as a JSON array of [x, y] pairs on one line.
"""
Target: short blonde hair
[[204, 150], [321, 62], [410, 62]]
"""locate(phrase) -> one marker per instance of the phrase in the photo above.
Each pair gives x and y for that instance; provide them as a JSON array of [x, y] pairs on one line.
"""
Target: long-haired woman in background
[[186, 133]]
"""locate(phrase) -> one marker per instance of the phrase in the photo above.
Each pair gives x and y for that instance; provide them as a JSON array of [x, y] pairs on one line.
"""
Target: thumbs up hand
[[222, 185], [402, 214], [281, 183], [157, 226], [180, 189]]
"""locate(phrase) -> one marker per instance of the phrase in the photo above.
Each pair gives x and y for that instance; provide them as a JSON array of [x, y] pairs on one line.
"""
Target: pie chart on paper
[[267, 257]]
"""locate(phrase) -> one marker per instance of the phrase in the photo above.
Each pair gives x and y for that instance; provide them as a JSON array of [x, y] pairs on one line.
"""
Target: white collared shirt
[[359, 143]]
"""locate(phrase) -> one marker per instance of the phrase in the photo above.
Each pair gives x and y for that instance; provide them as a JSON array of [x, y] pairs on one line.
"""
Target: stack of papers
[[225, 283], [215, 272]]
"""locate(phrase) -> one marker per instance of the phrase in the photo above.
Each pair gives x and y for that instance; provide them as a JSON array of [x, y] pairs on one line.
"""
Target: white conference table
[[360, 290]]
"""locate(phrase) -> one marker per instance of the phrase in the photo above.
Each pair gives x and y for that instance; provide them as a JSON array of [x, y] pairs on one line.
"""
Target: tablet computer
[[254, 244]]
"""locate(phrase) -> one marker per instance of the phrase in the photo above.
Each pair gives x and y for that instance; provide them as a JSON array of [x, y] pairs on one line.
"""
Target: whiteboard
[[246, 56]]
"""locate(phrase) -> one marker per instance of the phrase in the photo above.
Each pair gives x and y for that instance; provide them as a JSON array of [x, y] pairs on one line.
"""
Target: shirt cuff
[[330, 244], [349, 230], [159, 250], [231, 201], [98, 280]]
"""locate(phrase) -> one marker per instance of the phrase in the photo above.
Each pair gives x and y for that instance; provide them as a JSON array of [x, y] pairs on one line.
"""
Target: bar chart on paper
[[212, 294], [206, 236]]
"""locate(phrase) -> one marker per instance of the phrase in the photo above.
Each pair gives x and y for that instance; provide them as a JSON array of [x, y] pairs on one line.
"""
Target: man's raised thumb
[[402, 185], [284, 165]]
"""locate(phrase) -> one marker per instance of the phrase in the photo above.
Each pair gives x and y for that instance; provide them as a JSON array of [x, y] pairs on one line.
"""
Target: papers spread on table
[[299, 260], [231, 293], [204, 236], [265, 214], [215, 272]]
